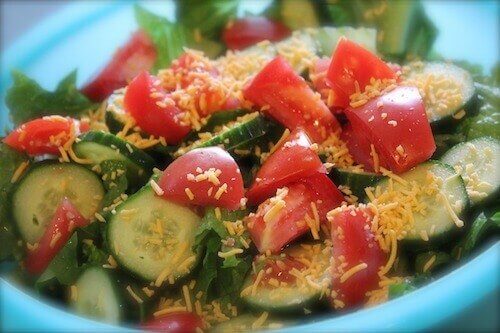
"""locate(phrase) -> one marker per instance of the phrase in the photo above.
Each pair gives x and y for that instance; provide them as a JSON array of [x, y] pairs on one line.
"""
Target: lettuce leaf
[[169, 38], [27, 100], [64, 267], [220, 278], [209, 17]]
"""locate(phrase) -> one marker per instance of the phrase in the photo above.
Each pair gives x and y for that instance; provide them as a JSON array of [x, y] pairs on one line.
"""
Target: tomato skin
[[292, 102], [289, 223], [136, 55], [65, 220], [353, 240], [360, 149], [293, 160], [404, 124], [34, 136], [248, 31], [318, 78], [176, 322], [150, 117], [350, 63], [175, 179]]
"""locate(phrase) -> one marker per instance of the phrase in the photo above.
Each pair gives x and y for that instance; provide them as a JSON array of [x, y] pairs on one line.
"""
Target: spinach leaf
[[481, 226], [423, 263], [209, 17], [487, 121], [64, 267], [408, 285], [94, 256], [169, 38], [115, 183], [9, 162], [27, 100], [220, 278]]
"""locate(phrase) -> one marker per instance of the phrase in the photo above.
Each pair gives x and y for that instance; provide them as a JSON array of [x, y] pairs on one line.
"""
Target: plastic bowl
[[74, 38]]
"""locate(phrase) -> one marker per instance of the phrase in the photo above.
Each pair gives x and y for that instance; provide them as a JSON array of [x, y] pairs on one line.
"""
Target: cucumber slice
[[298, 14], [216, 120], [436, 222], [356, 181], [38, 193], [328, 37], [150, 236], [100, 146], [246, 323], [234, 134], [396, 27], [97, 296], [478, 162], [296, 295], [445, 88]]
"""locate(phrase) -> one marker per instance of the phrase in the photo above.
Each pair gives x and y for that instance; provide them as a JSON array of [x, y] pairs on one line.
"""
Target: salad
[[250, 172]]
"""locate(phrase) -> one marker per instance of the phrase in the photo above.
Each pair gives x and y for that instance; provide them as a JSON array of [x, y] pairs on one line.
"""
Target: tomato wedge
[[197, 76], [175, 322], [44, 135], [57, 234], [153, 109], [318, 79], [360, 148], [275, 230], [290, 100], [354, 244], [396, 124], [352, 63], [137, 55], [204, 177], [248, 31], [292, 160]]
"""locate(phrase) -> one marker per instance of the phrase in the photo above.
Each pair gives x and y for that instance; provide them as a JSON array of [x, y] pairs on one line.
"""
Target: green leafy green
[[169, 38], [487, 121], [92, 255], [9, 162], [64, 267], [408, 285], [115, 182], [27, 100], [422, 261], [220, 278], [480, 228], [208, 16]]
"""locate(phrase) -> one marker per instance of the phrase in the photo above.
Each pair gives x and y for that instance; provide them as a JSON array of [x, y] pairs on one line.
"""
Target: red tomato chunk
[[290, 100], [44, 135], [175, 322], [248, 31], [281, 219], [153, 109], [137, 55], [352, 64], [293, 160], [204, 177], [354, 245], [397, 126], [57, 234]]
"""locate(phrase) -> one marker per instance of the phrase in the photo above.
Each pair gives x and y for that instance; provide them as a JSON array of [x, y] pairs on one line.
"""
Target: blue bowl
[[85, 34]]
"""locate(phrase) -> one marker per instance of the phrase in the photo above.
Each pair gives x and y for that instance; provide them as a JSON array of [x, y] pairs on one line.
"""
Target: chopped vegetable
[[26, 100]]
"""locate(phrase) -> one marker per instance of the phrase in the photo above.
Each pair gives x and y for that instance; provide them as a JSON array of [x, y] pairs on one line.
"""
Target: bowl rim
[[457, 290]]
